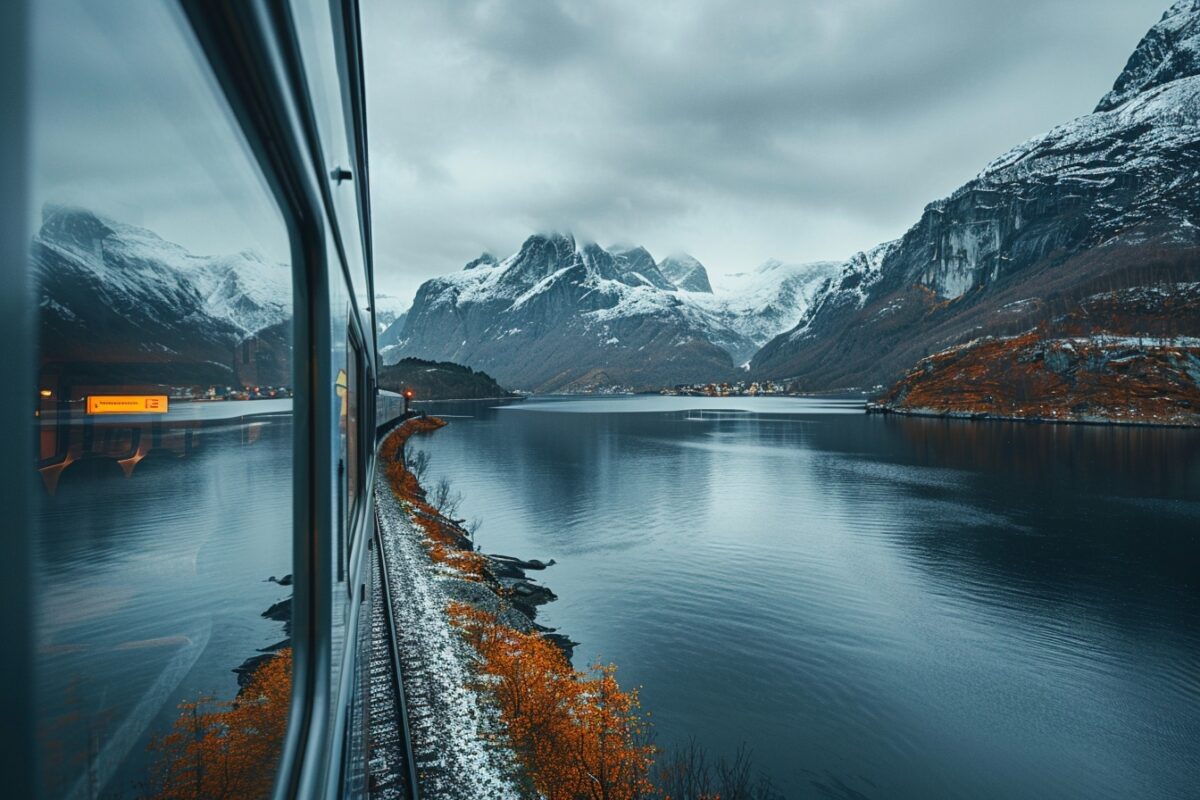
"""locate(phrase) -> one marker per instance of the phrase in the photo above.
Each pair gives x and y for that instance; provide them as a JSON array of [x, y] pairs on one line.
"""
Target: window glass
[[163, 535], [320, 41]]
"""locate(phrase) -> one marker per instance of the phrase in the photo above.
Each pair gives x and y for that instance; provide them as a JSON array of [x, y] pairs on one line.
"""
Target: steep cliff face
[[1113, 196]]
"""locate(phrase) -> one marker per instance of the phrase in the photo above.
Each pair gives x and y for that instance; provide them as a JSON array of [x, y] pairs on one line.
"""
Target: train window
[[163, 534], [321, 37]]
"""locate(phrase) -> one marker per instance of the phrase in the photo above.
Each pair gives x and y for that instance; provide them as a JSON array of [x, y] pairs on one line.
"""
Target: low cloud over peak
[[798, 130]]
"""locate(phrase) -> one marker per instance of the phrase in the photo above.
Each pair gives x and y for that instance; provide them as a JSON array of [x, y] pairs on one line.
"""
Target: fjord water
[[878, 607]]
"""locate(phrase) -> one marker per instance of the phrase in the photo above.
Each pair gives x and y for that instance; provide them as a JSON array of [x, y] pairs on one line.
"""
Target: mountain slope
[[557, 316], [1107, 201], [120, 305], [1116, 358]]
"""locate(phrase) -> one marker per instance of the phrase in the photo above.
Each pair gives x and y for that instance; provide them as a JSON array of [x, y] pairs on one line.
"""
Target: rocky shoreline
[[987, 416], [494, 583], [509, 592]]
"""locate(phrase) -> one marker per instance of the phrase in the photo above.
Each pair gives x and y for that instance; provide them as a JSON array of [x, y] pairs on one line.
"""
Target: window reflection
[[163, 537]]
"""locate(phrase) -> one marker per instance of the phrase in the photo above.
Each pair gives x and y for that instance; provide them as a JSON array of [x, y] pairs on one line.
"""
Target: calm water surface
[[879, 607]]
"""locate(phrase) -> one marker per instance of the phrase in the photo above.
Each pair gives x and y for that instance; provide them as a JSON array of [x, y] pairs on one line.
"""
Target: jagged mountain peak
[[599, 262], [485, 259], [636, 256], [561, 243], [559, 313], [1169, 51], [686, 272], [638, 267], [540, 256], [66, 223]]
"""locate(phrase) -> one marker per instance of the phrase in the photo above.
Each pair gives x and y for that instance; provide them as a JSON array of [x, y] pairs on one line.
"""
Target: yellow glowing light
[[46, 393], [127, 404]]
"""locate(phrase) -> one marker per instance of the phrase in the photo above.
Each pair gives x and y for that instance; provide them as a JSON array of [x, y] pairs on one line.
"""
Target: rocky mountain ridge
[[1109, 200], [561, 315]]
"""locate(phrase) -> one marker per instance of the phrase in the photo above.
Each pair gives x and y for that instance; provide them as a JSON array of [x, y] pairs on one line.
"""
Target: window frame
[[19, 758], [252, 48]]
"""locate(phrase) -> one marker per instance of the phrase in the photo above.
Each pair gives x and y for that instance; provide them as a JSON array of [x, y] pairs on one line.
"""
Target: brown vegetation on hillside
[[1113, 357], [1034, 376]]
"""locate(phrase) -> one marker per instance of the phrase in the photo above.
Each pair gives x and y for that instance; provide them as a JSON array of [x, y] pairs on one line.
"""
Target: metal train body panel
[[290, 76]]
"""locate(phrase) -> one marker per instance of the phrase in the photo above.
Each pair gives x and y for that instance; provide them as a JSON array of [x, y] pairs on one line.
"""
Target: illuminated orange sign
[[127, 404]]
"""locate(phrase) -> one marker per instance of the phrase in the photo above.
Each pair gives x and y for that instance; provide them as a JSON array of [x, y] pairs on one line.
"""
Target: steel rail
[[413, 788]]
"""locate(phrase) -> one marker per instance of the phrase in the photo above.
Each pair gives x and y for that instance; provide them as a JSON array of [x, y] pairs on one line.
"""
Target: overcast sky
[[735, 131]]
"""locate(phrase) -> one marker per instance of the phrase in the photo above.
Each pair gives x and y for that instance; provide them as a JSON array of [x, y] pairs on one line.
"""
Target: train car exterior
[[188, 307]]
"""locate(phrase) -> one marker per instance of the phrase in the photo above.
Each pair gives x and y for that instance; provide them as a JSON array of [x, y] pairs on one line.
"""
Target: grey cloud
[[737, 131]]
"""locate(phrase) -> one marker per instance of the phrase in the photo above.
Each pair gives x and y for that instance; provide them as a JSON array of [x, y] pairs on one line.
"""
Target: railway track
[[455, 753], [392, 766]]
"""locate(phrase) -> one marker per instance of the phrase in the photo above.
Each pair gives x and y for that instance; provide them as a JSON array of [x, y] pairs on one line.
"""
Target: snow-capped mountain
[[558, 314], [1106, 201], [120, 304]]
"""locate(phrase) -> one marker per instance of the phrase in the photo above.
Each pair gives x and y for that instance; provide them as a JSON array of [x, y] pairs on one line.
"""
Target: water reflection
[[879, 606], [153, 589]]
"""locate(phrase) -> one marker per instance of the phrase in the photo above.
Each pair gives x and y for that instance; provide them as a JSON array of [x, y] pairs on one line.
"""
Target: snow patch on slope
[[243, 289]]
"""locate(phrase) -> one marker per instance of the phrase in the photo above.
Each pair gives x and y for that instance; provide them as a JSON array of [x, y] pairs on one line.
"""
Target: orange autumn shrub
[[576, 735], [227, 751], [441, 543]]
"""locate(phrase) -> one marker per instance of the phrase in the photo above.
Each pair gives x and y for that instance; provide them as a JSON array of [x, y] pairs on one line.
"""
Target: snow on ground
[[454, 733]]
